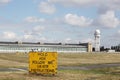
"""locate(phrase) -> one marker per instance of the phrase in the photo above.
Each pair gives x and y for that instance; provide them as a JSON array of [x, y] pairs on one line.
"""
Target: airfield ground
[[72, 66]]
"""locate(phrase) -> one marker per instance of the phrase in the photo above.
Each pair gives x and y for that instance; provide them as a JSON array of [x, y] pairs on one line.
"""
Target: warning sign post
[[43, 62]]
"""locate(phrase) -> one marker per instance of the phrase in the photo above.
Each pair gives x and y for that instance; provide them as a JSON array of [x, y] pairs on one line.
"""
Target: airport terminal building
[[13, 47]]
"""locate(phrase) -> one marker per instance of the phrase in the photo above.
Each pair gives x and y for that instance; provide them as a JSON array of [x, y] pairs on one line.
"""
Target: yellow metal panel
[[43, 62]]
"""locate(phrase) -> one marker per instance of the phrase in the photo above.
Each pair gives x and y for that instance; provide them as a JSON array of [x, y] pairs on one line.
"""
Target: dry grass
[[13, 60], [7, 63], [62, 75], [70, 59], [18, 57], [89, 58]]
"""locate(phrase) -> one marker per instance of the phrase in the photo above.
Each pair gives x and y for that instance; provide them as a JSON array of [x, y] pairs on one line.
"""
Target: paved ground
[[12, 69], [89, 67]]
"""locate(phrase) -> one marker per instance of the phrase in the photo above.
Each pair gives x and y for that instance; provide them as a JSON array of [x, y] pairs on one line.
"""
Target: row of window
[[27, 49]]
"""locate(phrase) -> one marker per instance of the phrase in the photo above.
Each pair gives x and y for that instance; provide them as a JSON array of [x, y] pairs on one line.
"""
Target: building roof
[[42, 44]]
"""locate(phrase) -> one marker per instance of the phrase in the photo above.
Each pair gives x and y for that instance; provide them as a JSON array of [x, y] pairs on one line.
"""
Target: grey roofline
[[38, 43]]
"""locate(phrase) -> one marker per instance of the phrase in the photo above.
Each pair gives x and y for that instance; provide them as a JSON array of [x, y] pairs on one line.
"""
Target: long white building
[[12, 47]]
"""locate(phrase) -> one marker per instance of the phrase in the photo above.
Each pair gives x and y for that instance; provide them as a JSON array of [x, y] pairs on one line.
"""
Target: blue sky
[[66, 21]]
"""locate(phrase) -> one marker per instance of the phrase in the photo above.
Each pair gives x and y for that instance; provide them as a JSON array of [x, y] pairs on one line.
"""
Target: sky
[[65, 21]]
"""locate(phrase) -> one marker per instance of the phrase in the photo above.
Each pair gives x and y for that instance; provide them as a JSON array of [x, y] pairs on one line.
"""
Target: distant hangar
[[13, 47]]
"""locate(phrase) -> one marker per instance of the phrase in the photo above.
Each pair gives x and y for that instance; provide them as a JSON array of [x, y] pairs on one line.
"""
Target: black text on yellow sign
[[43, 62]]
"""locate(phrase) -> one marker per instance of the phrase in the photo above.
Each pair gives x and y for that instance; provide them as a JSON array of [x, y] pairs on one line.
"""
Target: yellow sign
[[43, 62]]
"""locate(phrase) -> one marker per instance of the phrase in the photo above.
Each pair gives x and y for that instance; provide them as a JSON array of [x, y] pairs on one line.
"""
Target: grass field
[[70, 59]]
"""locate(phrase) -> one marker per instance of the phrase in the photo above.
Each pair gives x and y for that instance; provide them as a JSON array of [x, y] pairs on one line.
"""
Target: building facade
[[12, 47]]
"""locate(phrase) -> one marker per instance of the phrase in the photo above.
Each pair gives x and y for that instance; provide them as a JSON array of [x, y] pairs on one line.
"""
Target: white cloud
[[118, 31], [45, 7], [8, 35], [38, 28], [43, 39], [2, 2], [108, 20], [68, 40], [35, 34], [76, 20], [88, 40], [73, 2], [33, 38], [103, 5], [113, 39], [34, 19], [107, 5], [28, 36]]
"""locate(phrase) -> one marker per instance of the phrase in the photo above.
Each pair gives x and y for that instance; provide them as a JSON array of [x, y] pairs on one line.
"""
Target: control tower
[[97, 40]]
